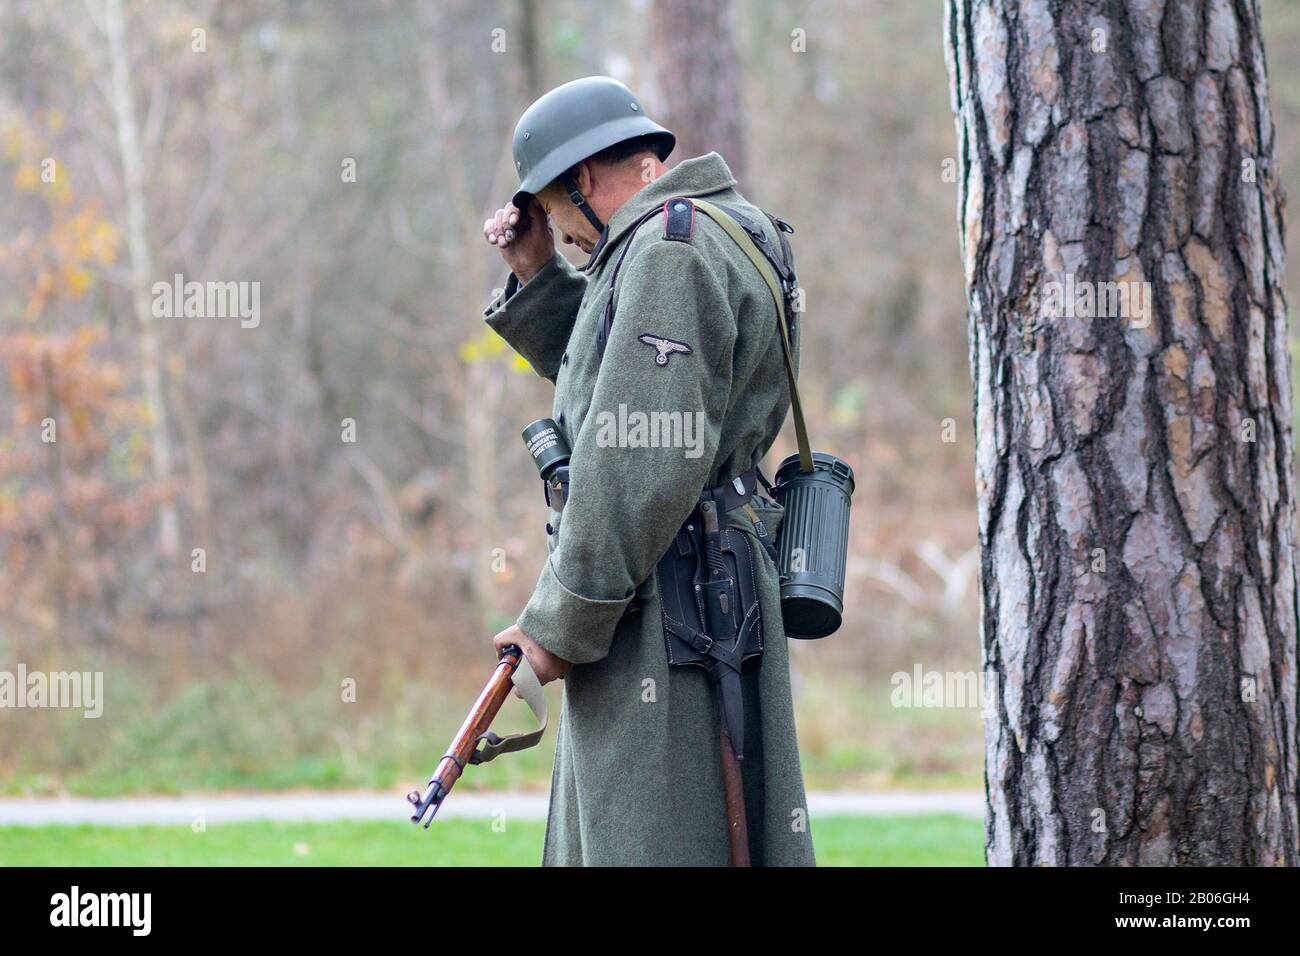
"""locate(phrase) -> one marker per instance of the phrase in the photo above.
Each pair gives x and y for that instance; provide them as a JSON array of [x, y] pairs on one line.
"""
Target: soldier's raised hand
[[523, 236]]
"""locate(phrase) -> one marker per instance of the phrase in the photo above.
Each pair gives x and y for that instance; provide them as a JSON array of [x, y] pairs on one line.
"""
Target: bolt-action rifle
[[512, 671]]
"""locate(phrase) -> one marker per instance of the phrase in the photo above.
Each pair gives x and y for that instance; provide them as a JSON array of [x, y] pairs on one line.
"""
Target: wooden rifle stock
[[465, 742]]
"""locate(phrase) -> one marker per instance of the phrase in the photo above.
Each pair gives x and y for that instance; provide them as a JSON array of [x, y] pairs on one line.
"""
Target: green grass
[[840, 841], [171, 729], [240, 734], [940, 840]]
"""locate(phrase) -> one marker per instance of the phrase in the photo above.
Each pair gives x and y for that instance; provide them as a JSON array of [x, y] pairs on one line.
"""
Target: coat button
[[564, 359], [549, 529], [560, 420]]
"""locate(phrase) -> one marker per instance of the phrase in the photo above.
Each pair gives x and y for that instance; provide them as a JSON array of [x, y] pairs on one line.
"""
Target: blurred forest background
[[391, 560]]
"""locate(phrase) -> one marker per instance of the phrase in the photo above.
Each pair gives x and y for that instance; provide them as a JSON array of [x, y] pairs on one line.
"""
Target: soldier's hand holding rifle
[[546, 665], [523, 236]]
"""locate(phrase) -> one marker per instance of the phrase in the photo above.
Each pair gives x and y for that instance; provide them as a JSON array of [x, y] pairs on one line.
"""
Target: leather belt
[[730, 495], [735, 493]]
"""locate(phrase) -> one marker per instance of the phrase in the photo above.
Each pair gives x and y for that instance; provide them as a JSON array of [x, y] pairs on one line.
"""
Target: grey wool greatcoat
[[637, 778]]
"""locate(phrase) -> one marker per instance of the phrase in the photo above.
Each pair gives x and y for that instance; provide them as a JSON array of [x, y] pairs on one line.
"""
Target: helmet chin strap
[[576, 197]]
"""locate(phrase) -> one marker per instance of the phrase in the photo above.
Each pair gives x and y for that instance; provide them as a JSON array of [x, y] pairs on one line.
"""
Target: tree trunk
[[142, 274], [1134, 460], [482, 384], [695, 65], [530, 52]]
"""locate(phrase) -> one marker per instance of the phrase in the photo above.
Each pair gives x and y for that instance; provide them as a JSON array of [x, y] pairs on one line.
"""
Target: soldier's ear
[[582, 175]]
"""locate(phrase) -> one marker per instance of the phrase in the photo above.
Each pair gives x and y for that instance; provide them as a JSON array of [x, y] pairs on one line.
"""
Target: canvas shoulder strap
[[772, 276]]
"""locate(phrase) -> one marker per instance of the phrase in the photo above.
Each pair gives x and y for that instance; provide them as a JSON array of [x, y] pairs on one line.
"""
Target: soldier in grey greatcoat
[[693, 340]]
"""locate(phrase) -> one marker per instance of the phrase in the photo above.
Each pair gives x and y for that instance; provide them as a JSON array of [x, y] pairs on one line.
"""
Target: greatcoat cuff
[[525, 317], [572, 627]]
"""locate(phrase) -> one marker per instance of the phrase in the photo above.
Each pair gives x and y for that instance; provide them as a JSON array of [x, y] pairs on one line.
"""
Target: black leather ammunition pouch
[[708, 595]]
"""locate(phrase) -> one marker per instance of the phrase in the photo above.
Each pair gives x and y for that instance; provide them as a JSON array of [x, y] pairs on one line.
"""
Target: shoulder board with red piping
[[679, 219]]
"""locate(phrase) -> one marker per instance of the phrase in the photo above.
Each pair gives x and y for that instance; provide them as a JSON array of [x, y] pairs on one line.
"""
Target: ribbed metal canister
[[813, 544]]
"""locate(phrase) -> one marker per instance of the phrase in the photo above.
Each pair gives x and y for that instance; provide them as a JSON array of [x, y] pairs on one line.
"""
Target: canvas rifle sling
[[530, 690]]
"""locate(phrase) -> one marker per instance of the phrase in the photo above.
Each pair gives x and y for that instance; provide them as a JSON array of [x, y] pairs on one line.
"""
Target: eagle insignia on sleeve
[[663, 347]]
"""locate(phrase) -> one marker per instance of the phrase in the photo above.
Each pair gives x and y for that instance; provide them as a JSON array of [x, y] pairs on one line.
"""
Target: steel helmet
[[575, 121]]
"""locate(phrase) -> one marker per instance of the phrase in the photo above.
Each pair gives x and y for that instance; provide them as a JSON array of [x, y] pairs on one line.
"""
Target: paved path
[[225, 808]]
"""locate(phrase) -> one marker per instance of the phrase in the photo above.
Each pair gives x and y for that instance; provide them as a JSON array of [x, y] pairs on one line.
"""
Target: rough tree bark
[[1134, 472], [695, 67]]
